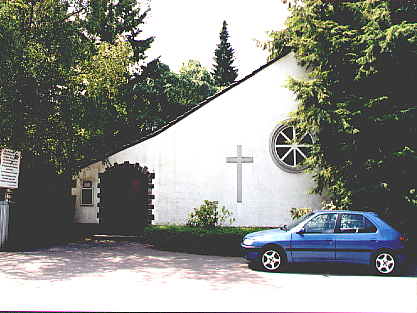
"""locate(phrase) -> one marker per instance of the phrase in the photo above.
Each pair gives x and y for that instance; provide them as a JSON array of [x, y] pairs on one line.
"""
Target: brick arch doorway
[[125, 205]]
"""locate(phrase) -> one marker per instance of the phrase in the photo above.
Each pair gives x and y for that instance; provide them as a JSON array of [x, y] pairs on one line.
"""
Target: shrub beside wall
[[215, 241], [210, 215]]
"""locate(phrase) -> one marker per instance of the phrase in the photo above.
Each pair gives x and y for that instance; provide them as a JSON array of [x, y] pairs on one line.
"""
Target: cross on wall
[[239, 160]]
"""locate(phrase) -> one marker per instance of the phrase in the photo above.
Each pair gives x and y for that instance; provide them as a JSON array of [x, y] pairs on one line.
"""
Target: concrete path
[[108, 275]]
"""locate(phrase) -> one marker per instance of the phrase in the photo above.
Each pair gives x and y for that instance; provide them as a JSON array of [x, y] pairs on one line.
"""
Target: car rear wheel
[[385, 263], [272, 259]]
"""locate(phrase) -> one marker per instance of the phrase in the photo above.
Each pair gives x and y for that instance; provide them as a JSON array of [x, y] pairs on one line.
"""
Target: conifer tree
[[360, 100], [107, 19], [224, 72]]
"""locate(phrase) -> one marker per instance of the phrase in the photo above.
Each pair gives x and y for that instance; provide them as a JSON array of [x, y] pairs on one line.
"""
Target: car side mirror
[[301, 231]]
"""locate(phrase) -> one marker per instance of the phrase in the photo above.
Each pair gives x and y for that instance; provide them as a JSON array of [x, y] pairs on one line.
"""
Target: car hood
[[273, 233]]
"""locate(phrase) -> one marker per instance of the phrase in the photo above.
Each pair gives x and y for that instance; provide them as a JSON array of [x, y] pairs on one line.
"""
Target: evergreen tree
[[360, 100], [224, 72], [105, 20]]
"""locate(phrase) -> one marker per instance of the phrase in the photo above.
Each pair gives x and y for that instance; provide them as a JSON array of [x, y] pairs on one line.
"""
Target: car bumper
[[250, 253]]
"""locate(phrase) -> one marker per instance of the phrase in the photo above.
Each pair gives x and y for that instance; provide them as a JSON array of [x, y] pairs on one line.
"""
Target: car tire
[[385, 263], [272, 259]]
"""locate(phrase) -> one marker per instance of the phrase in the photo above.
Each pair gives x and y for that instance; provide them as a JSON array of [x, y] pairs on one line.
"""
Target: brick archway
[[125, 205]]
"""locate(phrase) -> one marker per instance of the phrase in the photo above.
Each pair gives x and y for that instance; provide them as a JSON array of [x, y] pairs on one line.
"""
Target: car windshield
[[298, 221]]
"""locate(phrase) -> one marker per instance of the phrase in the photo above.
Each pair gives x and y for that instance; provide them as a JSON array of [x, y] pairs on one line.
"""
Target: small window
[[87, 193], [323, 223], [356, 223]]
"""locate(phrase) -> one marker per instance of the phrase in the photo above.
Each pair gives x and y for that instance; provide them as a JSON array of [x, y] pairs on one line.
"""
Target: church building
[[233, 148]]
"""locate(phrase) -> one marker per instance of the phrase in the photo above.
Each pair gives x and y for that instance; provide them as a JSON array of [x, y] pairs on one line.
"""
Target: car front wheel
[[272, 259], [385, 263]]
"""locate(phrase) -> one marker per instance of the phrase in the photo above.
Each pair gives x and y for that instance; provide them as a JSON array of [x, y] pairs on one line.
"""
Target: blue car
[[329, 236]]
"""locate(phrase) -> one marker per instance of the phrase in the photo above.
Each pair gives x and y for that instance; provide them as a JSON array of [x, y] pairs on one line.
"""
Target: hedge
[[223, 241]]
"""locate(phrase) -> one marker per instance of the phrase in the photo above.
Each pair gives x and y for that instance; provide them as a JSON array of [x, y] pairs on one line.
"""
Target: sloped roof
[[187, 113]]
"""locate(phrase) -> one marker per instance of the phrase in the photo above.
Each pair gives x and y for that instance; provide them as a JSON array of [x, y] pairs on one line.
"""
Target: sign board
[[9, 168]]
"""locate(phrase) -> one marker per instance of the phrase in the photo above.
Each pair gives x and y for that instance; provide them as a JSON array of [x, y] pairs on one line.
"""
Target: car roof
[[346, 211]]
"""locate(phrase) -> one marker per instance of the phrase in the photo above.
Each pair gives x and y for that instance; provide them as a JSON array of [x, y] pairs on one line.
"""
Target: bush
[[215, 241], [299, 212], [209, 215]]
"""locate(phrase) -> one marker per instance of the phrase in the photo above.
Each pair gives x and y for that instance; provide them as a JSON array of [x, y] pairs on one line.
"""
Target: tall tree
[[40, 50], [224, 72], [165, 94], [64, 80], [360, 99], [106, 20], [74, 84], [124, 112], [195, 84]]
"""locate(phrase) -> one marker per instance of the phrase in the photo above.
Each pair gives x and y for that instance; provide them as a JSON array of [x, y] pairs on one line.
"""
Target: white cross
[[239, 160]]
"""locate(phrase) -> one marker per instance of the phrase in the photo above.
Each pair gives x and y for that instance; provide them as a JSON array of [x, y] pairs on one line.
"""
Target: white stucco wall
[[189, 158], [87, 213]]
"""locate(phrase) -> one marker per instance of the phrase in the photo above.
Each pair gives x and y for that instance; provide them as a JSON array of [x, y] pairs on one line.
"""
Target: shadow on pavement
[[100, 256]]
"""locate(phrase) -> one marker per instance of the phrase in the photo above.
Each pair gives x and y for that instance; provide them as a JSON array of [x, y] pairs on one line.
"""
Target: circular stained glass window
[[290, 147]]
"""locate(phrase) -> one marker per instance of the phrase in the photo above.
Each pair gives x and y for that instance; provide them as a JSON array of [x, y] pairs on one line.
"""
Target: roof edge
[[187, 113]]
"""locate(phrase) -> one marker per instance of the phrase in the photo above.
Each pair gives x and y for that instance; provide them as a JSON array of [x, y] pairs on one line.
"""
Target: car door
[[317, 242], [356, 238]]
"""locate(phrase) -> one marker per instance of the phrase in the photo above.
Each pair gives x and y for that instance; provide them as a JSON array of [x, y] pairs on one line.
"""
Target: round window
[[290, 147]]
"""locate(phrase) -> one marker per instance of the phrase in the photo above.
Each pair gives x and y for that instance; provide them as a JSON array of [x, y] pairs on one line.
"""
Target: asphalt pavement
[[104, 274]]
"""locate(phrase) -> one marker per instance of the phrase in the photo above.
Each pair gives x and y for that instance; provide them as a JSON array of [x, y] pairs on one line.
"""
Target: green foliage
[[195, 84], [102, 80], [209, 215], [215, 241], [224, 72], [278, 44], [164, 95], [39, 51], [61, 88], [74, 85], [299, 212], [360, 100], [104, 73], [108, 20]]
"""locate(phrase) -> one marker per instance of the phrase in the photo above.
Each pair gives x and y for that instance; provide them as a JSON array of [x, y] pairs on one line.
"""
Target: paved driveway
[[106, 275]]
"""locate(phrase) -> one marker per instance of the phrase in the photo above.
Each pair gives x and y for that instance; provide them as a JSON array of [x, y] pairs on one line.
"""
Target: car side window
[[355, 223], [323, 223], [369, 226]]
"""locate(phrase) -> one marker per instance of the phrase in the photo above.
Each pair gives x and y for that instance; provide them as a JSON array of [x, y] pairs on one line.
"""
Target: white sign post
[[9, 168]]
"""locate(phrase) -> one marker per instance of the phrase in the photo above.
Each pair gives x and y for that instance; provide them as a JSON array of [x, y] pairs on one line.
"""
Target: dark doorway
[[125, 199]]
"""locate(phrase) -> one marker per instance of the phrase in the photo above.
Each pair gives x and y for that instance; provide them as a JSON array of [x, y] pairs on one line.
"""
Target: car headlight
[[248, 241]]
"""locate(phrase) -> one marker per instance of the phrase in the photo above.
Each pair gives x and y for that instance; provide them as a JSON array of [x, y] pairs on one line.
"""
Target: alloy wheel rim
[[385, 263], [271, 260]]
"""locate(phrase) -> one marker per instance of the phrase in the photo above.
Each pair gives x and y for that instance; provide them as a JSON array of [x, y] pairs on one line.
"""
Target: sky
[[189, 29]]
